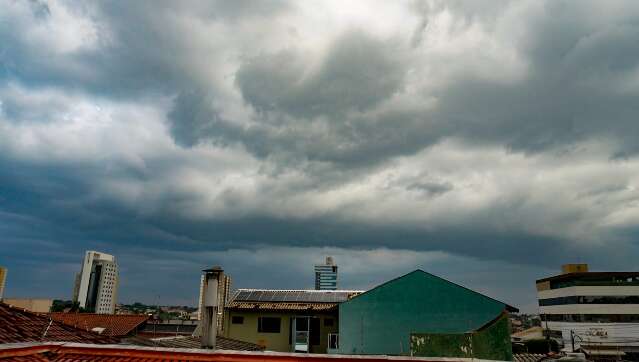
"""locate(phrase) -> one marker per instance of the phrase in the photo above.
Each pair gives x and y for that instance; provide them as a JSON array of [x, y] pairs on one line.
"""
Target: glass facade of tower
[[326, 276]]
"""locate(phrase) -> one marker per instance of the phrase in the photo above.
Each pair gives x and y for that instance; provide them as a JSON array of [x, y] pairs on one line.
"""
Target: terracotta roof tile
[[31, 358], [528, 357], [71, 352], [19, 325], [118, 325], [221, 343]]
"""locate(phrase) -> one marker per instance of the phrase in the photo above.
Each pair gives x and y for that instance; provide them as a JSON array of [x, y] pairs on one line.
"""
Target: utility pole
[[572, 339], [547, 333]]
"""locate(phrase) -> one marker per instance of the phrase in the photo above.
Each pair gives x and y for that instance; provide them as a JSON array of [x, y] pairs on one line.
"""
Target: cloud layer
[[502, 135]]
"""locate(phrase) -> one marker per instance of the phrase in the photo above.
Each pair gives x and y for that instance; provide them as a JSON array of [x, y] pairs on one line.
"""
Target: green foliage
[[61, 305]]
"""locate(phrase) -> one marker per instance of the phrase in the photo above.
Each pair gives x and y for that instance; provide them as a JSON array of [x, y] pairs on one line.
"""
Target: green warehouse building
[[421, 314]]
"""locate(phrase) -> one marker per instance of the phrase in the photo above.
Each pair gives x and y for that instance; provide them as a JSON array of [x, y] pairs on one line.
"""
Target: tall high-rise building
[[3, 279], [326, 275], [96, 286], [223, 292]]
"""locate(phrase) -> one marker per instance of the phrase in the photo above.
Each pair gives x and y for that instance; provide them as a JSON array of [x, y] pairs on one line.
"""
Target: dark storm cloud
[[357, 73], [576, 88], [502, 133]]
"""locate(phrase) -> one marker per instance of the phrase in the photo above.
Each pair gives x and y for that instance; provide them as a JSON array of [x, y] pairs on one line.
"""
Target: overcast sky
[[485, 142]]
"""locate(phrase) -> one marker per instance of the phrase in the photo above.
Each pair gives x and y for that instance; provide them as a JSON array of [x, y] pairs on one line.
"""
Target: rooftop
[[290, 299], [19, 325], [73, 352], [194, 343], [508, 307], [114, 324], [294, 295], [572, 276]]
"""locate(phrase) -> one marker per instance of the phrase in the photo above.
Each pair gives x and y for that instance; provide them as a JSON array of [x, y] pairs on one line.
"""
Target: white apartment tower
[[96, 286]]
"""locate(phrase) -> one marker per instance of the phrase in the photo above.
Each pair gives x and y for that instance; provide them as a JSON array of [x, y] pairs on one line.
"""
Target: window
[[328, 322], [333, 340], [599, 318], [603, 299], [268, 324], [237, 319]]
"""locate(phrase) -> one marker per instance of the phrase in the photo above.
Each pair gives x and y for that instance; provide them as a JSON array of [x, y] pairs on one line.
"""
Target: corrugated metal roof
[[528, 357]]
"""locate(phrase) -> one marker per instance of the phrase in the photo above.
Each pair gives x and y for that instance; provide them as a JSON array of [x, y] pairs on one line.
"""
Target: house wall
[[381, 320], [489, 343], [279, 342]]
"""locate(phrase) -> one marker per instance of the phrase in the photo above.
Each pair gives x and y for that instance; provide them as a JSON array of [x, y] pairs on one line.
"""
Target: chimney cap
[[214, 269]]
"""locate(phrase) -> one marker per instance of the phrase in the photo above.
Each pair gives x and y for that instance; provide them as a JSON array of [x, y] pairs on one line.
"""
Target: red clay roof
[[68, 352], [19, 325], [193, 342], [118, 325]]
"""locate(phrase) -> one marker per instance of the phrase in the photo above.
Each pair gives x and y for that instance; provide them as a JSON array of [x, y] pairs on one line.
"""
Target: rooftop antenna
[[46, 330]]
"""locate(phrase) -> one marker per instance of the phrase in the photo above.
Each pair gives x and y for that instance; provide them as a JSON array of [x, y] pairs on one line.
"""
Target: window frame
[[261, 325]]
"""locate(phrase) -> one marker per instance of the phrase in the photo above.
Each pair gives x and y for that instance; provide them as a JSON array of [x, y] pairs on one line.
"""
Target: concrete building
[[36, 305], [223, 293], [531, 333], [286, 320], [3, 280], [96, 285], [598, 312], [420, 314], [326, 275]]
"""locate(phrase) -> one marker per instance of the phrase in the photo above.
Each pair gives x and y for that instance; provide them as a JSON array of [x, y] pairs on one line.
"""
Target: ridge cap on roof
[[299, 290], [95, 314], [506, 305]]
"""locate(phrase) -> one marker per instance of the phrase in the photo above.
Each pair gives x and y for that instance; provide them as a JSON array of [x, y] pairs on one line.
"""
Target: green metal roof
[[382, 319]]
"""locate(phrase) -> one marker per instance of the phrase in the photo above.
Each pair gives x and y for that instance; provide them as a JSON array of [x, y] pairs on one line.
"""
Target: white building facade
[[223, 293], [595, 311], [96, 285]]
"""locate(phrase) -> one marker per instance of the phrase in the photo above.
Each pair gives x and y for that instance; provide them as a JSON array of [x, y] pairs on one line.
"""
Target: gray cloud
[[357, 73], [501, 134]]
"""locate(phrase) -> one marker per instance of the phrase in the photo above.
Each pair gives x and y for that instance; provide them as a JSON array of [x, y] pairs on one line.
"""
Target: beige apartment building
[[36, 305]]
